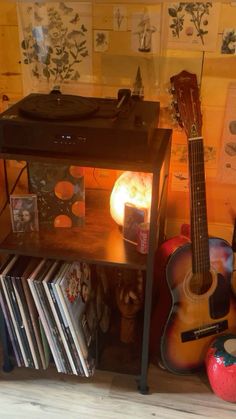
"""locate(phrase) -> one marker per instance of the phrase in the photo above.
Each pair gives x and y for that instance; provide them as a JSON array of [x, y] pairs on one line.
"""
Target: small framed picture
[[24, 213], [133, 216]]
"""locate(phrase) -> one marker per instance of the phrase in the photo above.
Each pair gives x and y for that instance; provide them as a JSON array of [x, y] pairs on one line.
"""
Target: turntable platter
[[57, 107]]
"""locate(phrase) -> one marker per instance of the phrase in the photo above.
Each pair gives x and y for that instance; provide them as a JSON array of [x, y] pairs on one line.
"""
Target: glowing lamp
[[131, 187]]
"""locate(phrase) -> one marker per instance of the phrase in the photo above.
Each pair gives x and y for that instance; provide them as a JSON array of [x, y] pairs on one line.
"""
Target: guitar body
[[192, 282], [186, 318]]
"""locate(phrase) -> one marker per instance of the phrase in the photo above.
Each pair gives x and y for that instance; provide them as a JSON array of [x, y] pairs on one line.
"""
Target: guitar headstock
[[185, 90]]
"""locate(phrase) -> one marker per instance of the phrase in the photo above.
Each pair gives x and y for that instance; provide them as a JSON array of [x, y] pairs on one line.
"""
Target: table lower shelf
[[100, 247]]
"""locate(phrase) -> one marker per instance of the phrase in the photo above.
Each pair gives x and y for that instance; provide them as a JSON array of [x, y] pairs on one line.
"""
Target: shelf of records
[[77, 315]]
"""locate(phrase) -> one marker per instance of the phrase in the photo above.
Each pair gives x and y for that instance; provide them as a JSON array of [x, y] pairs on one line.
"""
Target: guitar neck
[[198, 207]]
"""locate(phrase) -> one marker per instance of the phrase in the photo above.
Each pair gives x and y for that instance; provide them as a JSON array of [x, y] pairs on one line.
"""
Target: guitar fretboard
[[199, 229]]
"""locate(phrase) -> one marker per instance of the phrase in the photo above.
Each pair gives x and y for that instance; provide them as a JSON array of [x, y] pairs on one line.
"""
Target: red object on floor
[[221, 367]]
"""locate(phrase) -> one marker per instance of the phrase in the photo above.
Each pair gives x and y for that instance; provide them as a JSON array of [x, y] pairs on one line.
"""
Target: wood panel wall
[[216, 70]]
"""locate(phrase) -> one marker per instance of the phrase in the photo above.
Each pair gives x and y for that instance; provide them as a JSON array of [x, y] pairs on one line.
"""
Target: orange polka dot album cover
[[60, 193]]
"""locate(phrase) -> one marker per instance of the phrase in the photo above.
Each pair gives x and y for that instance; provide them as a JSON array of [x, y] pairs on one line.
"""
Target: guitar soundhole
[[200, 283]]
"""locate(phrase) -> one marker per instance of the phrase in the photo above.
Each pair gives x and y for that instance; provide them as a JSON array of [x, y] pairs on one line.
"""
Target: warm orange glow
[[63, 221], [64, 190], [76, 171], [132, 187], [78, 208]]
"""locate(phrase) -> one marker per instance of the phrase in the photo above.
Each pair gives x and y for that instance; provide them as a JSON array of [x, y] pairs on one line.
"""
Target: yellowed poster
[[55, 44], [192, 25], [227, 163]]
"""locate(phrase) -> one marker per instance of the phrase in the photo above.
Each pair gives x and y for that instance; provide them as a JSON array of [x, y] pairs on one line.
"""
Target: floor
[[28, 394]]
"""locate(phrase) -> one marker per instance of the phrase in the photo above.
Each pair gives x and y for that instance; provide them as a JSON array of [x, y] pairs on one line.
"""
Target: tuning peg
[[174, 105], [171, 90], [176, 120]]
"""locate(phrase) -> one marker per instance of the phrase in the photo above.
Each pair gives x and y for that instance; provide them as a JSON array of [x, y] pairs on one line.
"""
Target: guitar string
[[204, 248], [200, 180], [197, 191], [199, 230], [200, 211], [194, 175], [193, 157], [195, 184], [194, 163], [194, 205], [202, 215]]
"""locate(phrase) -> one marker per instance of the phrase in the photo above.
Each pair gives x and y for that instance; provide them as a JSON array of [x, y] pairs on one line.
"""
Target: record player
[[71, 124]]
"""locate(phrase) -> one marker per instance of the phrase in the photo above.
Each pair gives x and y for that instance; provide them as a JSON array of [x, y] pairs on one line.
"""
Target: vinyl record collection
[[45, 303]]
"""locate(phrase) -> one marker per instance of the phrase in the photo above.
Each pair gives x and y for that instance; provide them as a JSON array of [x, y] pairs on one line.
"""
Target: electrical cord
[[13, 188]]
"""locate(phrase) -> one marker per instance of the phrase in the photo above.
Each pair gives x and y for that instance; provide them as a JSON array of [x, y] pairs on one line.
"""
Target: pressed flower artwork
[[193, 25], [101, 40], [55, 42], [145, 32], [227, 161], [228, 45], [120, 18]]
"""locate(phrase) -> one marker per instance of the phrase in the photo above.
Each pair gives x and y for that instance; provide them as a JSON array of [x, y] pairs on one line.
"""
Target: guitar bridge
[[208, 330]]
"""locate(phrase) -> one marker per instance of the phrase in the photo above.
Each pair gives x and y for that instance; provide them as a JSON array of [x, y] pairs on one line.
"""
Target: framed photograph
[[24, 213], [133, 216]]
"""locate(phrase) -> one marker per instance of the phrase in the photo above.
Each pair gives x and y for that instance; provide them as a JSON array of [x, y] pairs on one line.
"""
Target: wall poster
[[145, 32], [227, 164], [56, 44], [192, 25]]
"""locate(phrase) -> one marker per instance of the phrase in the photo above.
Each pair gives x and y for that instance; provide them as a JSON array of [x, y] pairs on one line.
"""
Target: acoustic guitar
[[192, 280]]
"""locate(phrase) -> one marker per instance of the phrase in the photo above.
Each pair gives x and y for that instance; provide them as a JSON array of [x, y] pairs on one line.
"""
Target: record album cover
[[61, 193]]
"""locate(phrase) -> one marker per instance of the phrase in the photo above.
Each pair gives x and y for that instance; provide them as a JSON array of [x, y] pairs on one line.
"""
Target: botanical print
[[210, 156], [119, 18], [227, 164], [179, 154], [55, 41], [179, 181], [193, 25], [145, 32], [101, 40], [229, 41]]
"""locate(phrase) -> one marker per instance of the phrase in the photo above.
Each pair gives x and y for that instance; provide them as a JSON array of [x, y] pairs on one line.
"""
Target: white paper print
[[145, 32], [227, 164], [193, 25], [56, 43], [100, 40], [120, 22], [228, 45], [179, 181], [179, 154]]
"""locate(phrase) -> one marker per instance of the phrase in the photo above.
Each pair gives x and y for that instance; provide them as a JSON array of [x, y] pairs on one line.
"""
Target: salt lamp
[[131, 187]]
